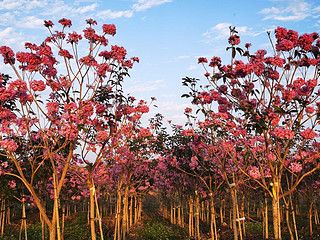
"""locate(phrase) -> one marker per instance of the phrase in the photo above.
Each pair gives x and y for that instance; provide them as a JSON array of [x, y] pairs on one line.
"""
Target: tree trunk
[[213, 224], [234, 212], [310, 217], [266, 218], [197, 216], [2, 216], [191, 228], [276, 211], [288, 221], [92, 215], [125, 213]]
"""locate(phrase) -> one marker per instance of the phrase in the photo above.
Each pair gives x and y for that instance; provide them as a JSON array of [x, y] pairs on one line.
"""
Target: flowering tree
[[61, 104], [275, 101]]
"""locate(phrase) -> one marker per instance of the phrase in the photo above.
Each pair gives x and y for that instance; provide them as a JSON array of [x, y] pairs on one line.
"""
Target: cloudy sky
[[167, 35]]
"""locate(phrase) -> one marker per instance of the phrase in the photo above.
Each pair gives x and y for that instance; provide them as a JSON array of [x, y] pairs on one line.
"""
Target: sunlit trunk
[[276, 210]]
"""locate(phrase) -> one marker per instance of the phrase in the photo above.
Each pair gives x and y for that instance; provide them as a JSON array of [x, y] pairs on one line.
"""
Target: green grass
[[153, 230]]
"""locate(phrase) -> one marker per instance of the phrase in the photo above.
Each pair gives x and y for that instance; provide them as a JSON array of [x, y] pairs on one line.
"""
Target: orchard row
[[69, 133]]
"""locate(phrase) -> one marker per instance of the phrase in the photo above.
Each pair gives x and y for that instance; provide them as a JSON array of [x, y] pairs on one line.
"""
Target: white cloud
[[9, 37], [87, 8], [22, 5], [68, 10], [109, 14], [7, 18], [272, 10], [193, 67], [222, 31], [11, 4], [30, 22], [146, 86], [142, 5], [295, 11], [35, 4]]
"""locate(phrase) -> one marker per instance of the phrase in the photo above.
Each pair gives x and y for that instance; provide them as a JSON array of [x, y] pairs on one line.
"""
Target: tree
[[274, 101], [60, 105]]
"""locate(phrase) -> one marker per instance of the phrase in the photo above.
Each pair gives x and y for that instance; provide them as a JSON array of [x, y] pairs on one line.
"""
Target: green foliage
[[153, 230]]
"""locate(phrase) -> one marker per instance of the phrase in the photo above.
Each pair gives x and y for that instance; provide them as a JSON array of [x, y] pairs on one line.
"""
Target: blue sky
[[167, 35]]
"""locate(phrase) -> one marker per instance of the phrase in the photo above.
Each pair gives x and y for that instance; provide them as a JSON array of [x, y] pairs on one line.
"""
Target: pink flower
[[215, 61], [274, 118], [52, 107], [102, 136], [12, 184], [7, 54], [310, 109], [142, 109], [312, 83], [194, 162], [48, 23], [90, 21], [283, 133], [202, 60], [271, 157], [254, 172], [65, 53], [9, 145], [267, 173], [37, 85], [188, 110], [74, 38], [285, 45], [299, 82], [188, 132], [308, 134], [109, 29], [65, 22], [144, 132], [305, 41], [288, 94], [234, 39], [295, 167], [281, 33]]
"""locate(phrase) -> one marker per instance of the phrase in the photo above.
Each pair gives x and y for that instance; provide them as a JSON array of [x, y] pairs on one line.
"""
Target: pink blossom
[[144, 132], [142, 109], [102, 136], [295, 167], [254, 172], [194, 162], [109, 29], [188, 132], [271, 157], [12, 184], [283, 133], [310, 109], [267, 173], [65, 22], [300, 155], [187, 110], [37, 85], [9, 145], [202, 60], [234, 39], [308, 134]]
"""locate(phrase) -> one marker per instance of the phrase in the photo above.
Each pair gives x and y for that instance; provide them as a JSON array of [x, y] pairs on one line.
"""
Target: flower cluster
[[254, 172], [109, 29], [234, 40], [295, 167], [9, 145]]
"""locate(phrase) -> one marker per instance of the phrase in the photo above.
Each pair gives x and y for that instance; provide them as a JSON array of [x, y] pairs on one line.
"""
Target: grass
[[154, 230]]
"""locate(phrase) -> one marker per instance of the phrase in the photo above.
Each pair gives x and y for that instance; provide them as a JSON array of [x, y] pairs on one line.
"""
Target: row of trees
[[68, 131]]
